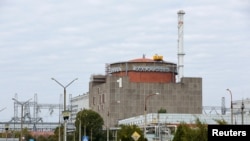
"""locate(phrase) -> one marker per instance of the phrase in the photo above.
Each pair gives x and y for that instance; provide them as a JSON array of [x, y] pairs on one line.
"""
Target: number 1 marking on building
[[120, 82]]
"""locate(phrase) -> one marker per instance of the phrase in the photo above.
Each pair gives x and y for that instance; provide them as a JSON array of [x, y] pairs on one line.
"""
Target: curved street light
[[145, 112], [64, 87]]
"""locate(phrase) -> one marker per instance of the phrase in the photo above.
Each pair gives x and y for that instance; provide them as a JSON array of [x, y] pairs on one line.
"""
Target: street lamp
[[242, 112], [231, 105], [6, 129], [80, 131], [145, 112], [65, 112], [22, 104], [108, 125]]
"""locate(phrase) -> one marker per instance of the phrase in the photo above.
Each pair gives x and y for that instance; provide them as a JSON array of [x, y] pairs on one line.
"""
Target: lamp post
[[80, 131], [65, 112], [108, 125], [59, 120], [145, 112], [85, 124], [22, 104], [231, 105], [242, 112], [6, 129]]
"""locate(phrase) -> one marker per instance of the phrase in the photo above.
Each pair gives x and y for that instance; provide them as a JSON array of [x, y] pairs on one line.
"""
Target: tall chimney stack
[[181, 53]]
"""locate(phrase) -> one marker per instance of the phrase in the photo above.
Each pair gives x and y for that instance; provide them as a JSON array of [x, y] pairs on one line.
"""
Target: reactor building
[[133, 87]]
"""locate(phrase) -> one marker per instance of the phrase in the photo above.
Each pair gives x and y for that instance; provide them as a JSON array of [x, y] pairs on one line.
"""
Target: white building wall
[[79, 103], [237, 106]]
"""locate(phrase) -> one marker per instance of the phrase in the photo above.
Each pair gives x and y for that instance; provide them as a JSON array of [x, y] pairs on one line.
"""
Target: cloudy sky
[[74, 39]]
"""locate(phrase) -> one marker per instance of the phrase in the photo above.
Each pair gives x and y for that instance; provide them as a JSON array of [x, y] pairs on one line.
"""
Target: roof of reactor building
[[141, 60], [144, 59], [148, 60]]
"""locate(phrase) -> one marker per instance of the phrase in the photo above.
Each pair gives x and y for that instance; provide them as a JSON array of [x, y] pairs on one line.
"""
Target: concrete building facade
[[123, 91]]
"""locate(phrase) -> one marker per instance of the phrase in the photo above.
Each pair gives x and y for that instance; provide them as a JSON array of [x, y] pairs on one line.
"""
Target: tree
[[183, 133], [186, 132], [91, 125], [127, 131], [162, 111], [201, 131], [221, 122], [56, 132]]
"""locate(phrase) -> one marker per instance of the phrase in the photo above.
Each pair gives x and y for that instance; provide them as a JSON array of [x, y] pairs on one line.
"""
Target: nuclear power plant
[[131, 86], [134, 92]]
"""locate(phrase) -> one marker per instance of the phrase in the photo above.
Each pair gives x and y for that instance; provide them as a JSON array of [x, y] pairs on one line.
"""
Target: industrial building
[[128, 89]]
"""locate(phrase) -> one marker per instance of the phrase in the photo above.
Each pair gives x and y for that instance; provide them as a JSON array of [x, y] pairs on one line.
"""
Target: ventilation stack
[[180, 45]]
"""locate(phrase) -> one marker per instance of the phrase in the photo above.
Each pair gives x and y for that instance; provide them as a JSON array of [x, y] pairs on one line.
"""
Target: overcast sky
[[40, 39]]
